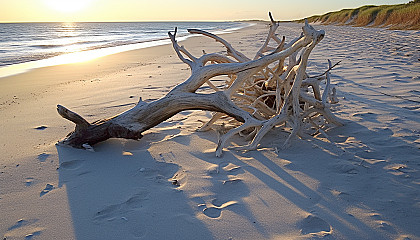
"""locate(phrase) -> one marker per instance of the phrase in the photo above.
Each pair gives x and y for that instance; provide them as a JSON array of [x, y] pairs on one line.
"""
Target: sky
[[170, 10]]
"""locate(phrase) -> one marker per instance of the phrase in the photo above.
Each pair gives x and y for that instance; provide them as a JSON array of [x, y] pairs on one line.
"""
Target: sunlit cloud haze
[[169, 10]]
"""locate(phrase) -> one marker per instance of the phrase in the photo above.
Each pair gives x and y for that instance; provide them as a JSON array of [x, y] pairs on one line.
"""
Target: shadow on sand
[[117, 194]]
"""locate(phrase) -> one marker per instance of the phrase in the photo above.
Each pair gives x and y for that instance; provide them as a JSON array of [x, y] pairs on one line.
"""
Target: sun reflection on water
[[77, 57]]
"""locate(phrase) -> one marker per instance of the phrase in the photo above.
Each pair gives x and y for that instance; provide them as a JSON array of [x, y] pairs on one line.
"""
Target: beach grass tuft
[[399, 16]]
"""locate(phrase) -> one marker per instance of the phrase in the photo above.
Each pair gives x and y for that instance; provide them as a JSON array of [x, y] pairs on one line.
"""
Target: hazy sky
[[169, 10]]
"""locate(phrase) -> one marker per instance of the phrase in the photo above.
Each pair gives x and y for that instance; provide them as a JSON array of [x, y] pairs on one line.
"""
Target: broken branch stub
[[259, 94]]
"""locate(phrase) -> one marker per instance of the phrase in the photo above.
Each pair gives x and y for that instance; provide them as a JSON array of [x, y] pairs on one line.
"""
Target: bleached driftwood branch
[[260, 94]]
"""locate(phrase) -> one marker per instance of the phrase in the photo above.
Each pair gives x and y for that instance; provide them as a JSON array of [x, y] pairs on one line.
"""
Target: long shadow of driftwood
[[116, 194], [367, 180], [366, 185]]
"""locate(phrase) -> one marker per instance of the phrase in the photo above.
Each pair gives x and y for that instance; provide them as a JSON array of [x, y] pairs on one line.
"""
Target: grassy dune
[[400, 16]]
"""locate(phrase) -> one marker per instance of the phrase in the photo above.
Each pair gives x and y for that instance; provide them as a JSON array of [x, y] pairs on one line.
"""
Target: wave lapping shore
[[26, 43]]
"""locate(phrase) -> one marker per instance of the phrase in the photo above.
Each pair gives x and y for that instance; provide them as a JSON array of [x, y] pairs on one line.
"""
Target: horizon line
[[150, 21]]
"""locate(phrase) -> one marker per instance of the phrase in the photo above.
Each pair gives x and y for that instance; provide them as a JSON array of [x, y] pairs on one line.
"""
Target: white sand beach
[[361, 183]]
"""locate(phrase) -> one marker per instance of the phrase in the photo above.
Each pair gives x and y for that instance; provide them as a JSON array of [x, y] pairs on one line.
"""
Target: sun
[[67, 6]]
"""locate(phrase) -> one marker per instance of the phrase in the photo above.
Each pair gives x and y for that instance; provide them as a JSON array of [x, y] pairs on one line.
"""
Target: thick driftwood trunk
[[144, 116], [260, 94]]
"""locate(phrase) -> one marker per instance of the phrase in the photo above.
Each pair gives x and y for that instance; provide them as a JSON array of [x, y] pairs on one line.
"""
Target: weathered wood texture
[[261, 92]]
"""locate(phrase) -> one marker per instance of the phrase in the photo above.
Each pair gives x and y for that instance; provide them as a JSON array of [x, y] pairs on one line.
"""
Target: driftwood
[[261, 92]]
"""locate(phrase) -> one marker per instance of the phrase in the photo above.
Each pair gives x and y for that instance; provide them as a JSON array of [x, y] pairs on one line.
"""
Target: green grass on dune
[[400, 16]]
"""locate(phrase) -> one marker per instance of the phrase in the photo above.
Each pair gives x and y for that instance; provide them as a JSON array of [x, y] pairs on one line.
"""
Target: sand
[[362, 183]]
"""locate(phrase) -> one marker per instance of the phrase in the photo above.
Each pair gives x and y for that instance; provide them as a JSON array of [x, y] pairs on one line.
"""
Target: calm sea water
[[26, 42]]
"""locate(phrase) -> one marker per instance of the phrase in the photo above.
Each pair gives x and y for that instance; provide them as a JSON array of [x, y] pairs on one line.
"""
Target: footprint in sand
[[23, 229], [315, 226], [232, 185], [29, 181], [22, 223], [32, 235], [43, 157], [345, 168], [113, 212], [41, 127], [381, 223], [212, 212], [46, 190], [71, 165], [215, 210]]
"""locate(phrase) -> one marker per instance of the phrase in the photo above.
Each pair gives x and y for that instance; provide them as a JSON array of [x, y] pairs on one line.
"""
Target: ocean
[[29, 45]]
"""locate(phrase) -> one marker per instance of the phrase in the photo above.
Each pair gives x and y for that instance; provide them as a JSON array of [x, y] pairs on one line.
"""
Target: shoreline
[[88, 55]]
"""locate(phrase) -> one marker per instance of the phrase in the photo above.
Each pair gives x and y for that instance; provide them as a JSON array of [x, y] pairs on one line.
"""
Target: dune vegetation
[[400, 16]]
